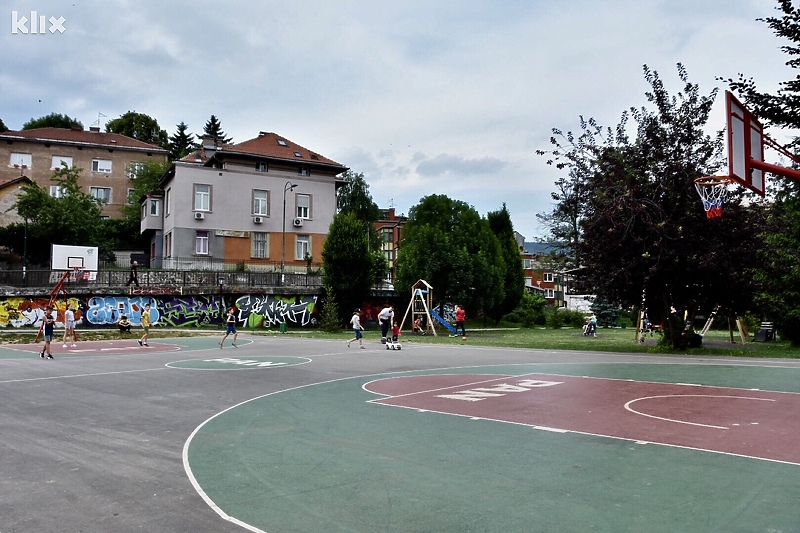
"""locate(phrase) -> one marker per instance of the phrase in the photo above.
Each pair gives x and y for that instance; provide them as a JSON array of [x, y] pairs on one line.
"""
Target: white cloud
[[422, 97]]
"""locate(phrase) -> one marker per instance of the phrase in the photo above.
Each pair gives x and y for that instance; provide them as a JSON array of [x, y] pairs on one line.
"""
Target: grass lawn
[[716, 342]]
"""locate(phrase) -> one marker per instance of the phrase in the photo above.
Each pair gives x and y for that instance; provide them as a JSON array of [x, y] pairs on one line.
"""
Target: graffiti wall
[[174, 311]]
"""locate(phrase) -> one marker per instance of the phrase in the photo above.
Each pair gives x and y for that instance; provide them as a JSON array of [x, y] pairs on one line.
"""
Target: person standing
[[49, 327], [386, 317], [69, 326], [134, 276], [461, 315], [357, 329], [145, 325], [230, 323]]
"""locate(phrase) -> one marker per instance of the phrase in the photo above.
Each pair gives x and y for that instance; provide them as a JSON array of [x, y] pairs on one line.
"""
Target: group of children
[[388, 316], [69, 328]]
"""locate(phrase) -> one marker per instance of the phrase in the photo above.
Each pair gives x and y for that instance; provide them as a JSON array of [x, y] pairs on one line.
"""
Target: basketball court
[[285, 434]]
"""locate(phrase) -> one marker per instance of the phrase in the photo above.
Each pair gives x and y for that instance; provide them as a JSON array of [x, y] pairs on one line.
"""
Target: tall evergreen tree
[[213, 129], [514, 276], [3, 127], [354, 197], [180, 144]]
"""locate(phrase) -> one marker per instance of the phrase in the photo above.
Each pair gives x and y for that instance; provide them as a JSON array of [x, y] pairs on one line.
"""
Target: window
[[58, 160], [131, 195], [101, 165], [261, 166], [20, 160], [168, 244], [134, 168], [387, 235], [259, 245], [261, 203], [281, 142], [302, 246], [201, 242], [298, 154], [304, 171], [57, 191], [143, 214], [303, 206], [101, 193], [154, 207], [202, 197], [548, 277], [168, 202], [549, 293]]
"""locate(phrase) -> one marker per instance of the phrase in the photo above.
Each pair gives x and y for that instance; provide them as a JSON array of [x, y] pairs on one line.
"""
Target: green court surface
[[322, 458]]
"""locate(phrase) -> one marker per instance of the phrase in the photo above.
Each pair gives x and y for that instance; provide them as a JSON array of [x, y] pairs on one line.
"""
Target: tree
[[565, 218], [642, 226], [126, 231], [349, 263], [447, 243], [180, 145], [53, 120], [140, 127], [513, 274], [3, 127], [354, 197], [213, 129], [777, 274], [72, 219]]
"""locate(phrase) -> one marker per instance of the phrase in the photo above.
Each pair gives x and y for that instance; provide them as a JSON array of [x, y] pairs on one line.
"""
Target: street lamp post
[[286, 188]]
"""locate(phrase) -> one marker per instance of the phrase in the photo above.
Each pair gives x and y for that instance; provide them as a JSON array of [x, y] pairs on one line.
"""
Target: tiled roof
[[82, 137], [274, 146], [12, 181]]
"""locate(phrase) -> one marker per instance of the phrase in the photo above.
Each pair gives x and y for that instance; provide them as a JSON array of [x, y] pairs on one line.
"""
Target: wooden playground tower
[[421, 305]]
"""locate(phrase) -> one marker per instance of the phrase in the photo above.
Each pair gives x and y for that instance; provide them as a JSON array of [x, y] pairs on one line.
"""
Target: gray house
[[262, 202]]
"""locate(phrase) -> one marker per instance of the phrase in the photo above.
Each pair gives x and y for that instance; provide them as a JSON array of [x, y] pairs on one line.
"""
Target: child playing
[[395, 332]]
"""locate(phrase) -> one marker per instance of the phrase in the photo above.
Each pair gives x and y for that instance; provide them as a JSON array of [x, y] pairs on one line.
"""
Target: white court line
[[80, 375], [629, 408]]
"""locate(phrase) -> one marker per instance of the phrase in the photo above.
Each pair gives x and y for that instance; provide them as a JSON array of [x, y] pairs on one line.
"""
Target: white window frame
[[259, 245], [549, 293], [105, 198], [261, 202], [304, 171], [20, 160], [101, 166], [262, 166], [168, 202], [154, 207], [202, 197], [201, 242], [56, 160], [303, 206], [547, 277], [57, 191], [168, 245], [302, 246]]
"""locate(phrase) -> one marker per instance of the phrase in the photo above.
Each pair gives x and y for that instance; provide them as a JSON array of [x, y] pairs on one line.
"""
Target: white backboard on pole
[[65, 257]]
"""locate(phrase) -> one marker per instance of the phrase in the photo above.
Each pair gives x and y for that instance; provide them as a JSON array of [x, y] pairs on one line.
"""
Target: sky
[[449, 97]]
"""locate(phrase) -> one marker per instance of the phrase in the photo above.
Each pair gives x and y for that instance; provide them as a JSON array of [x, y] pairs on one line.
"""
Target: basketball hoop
[[712, 192]]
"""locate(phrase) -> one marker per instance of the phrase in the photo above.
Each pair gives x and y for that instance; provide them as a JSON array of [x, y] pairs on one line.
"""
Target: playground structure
[[421, 306]]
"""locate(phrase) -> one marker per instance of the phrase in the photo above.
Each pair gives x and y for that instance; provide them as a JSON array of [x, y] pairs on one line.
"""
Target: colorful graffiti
[[18, 312], [254, 311]]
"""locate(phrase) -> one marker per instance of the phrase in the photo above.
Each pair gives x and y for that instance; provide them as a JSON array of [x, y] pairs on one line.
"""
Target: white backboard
[[65, 257]]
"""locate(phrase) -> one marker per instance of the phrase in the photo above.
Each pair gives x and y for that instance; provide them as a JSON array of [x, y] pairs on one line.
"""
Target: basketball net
[[712, 192]]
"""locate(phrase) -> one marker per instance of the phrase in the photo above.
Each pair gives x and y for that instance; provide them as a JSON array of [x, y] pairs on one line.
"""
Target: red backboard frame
[[745, 146]]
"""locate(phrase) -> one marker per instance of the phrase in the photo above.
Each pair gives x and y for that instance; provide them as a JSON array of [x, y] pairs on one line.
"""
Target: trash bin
[[284, 329]]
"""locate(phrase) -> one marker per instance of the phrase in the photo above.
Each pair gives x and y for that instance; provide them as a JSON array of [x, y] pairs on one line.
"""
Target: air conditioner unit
[[298, 222], [199, 216], [258, 220]]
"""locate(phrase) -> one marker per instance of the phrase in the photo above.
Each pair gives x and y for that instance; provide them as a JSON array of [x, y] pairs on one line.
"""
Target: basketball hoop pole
[[775, 169]]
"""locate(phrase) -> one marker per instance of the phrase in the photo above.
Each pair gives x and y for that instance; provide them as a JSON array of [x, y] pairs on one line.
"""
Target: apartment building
[[109, 160]]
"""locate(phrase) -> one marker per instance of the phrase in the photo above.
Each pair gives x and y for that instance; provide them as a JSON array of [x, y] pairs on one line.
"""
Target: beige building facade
[[108, 160]]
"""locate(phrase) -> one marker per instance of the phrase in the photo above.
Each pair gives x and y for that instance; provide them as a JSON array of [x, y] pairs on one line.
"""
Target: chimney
[[77, 127], [209, 145], [95, 129]]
